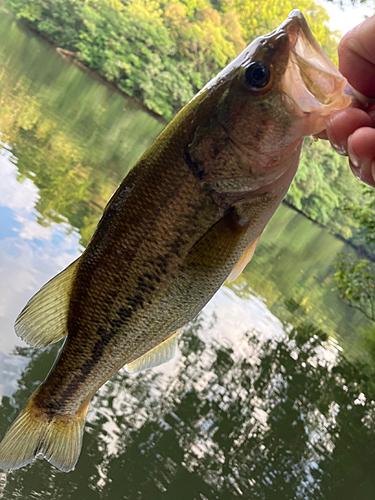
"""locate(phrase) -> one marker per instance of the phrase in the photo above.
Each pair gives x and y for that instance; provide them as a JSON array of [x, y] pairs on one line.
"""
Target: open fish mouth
[[311, 80]]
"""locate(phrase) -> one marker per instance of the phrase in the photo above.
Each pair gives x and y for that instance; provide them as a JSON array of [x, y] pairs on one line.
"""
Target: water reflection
[[258, 403], [249, 415], [74, 138], [293, 269], [30, 254]]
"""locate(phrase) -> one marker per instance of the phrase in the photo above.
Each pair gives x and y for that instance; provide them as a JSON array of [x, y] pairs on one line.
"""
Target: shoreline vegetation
[[160, 53]]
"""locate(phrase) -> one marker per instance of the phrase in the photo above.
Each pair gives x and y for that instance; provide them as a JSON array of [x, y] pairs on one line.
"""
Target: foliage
[[324, 184], [261, 16], [162, 52], [364, 216], [59, 20], [356, 277], [356, 284]]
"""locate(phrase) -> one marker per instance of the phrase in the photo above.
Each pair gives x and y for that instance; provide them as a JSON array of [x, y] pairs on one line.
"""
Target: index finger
[[357, 57]]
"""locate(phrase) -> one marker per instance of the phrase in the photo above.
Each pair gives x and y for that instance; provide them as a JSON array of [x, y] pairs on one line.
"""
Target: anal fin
[[43, 320], [244, 260], [157, 356]]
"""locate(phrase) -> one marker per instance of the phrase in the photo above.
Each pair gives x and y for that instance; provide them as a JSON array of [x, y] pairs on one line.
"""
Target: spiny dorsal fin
[[43, 320], [244, 260], [157, 356]]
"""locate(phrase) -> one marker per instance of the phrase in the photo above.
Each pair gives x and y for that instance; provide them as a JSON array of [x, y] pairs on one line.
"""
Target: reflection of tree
[[285, 271], [75, 154], [290, 420], [77, 139]]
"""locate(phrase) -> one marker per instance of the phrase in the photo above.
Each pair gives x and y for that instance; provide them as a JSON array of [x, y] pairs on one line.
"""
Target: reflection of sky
[[230, 323], [224, 323], [30, 254]]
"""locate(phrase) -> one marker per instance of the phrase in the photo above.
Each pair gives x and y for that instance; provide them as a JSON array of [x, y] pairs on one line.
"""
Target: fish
[[186, 218]]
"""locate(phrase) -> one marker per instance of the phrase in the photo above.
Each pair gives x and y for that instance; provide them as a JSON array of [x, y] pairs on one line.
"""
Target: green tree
[[261, 16], [323, 184], [356, 277], [162, 52]]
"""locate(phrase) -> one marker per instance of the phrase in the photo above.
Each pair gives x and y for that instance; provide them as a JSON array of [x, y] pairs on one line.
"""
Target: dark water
[[271, 394]]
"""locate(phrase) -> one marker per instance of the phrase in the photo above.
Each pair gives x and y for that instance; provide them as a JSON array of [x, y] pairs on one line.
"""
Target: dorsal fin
[[244, 260], [43, 320], [157, 356]]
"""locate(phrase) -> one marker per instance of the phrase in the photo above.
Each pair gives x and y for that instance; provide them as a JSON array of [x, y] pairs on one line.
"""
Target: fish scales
[[152, 254], [187, 217]]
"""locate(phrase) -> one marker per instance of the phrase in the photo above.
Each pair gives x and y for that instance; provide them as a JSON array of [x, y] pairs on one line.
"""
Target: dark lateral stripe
[[146, 285], [193, 166]]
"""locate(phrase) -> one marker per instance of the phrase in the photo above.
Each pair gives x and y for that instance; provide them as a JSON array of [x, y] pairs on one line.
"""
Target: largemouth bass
[[186, 218]]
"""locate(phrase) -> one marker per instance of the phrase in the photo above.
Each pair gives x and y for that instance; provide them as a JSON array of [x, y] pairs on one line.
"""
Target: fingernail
[[361, 167], [356, 162], [341, 150], [338, 147]]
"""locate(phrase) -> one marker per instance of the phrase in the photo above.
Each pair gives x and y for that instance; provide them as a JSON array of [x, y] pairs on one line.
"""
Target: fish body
[[187, 217]]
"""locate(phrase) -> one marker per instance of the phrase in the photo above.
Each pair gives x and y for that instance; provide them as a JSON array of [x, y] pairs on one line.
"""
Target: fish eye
[[258, 75]]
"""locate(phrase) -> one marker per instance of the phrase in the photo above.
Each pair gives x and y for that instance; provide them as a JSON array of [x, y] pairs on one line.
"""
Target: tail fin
[[58, 438]]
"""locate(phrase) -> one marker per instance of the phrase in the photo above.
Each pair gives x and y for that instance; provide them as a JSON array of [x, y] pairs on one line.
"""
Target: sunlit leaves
[[356, 284], [261, 16], [356, 277], [322, 186], [162, 52]]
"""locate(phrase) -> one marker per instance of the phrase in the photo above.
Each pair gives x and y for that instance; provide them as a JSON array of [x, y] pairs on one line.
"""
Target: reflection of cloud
[[32, 230], [24, 268], [33, 255], [11, 368], [237, 316], [21, 198], [14, 194]]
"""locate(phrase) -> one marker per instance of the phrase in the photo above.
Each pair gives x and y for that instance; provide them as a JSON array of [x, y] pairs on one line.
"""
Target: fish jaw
[[249, 139], [264, 129], [311, 81]]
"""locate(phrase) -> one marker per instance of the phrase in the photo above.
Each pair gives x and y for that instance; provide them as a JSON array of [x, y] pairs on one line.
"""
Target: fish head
[[281, 88]]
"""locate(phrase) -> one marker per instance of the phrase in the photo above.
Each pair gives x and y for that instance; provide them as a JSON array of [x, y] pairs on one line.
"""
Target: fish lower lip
[[311, 80]]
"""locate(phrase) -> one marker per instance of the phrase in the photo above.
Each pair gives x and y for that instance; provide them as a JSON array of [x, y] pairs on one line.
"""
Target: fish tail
[[58, 438]]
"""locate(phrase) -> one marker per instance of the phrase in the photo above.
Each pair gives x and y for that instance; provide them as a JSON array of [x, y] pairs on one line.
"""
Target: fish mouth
[[311, 80]]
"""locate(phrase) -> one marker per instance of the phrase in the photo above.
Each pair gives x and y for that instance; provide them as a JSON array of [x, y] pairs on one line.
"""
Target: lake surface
[[271, 393]]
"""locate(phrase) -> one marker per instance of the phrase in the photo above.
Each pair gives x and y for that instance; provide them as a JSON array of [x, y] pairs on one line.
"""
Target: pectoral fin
[[214, 249], [157, 356], [43, 320], [244, 260]]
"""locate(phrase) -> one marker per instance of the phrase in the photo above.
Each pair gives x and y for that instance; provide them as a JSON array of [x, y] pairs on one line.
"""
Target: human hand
[[352, 131]]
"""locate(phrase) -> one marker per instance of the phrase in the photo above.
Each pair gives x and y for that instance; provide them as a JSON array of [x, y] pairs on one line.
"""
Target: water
[[270, 395]]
